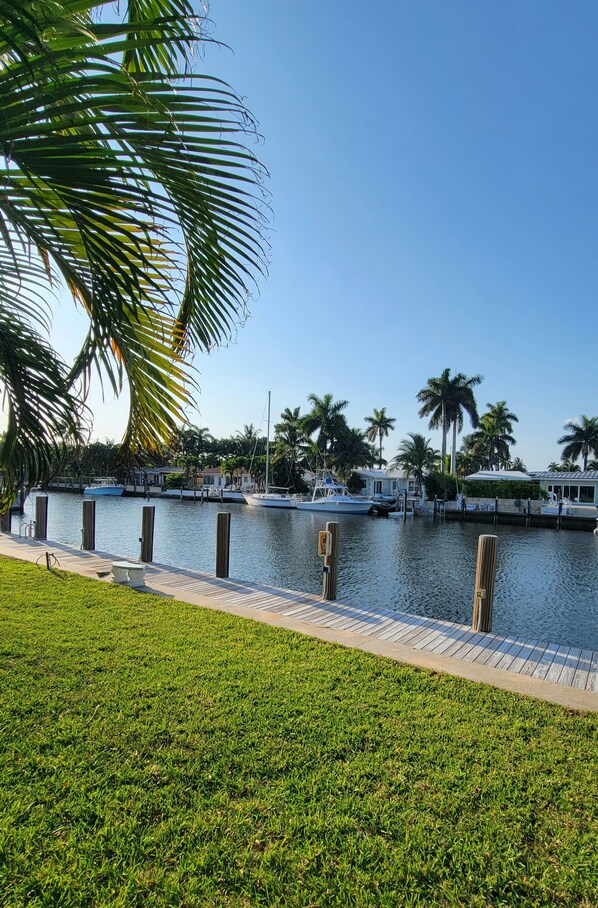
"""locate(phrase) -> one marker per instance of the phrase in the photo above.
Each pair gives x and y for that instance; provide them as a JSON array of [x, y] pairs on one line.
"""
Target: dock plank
[[582, 672], [564, 665], [558, 663]]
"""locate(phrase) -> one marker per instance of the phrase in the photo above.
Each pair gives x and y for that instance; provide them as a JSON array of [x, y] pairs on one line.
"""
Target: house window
[[377, 487], [586, 494], [411, 486]]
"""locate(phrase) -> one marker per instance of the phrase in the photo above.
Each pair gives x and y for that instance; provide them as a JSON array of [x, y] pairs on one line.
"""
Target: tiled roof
[[580, 476]]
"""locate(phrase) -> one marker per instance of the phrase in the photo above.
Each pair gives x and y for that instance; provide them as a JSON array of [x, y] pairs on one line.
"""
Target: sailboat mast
[[268, 445]]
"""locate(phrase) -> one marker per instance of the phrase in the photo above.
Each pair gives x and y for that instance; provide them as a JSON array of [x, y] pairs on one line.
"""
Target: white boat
[[331, 496], [104, 487], [272, 496]]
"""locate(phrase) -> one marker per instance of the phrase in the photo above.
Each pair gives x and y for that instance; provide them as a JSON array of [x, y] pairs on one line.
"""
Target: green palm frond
[[125, 176], [44, 415]]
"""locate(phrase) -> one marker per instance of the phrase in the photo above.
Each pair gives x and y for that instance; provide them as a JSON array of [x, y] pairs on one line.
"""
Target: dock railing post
[[222, 543], [483, 595], [88, 532], [41, 517], [147, 532], [330, 570]]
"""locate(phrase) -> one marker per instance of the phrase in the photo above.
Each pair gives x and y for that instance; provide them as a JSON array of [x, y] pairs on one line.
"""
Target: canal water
[[547, 580]]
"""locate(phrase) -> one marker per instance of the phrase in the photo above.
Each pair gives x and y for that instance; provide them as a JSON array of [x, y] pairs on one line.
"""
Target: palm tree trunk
[[443, 436], [381, 450], [454, 450]]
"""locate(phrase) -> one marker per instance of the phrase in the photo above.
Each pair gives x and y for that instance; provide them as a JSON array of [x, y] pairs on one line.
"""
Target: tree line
[[322, 438]]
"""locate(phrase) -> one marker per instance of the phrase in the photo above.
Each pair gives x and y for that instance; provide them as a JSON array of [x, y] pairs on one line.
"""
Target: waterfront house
[[387, 483], [213, 478], [579, 487], [156, 476]]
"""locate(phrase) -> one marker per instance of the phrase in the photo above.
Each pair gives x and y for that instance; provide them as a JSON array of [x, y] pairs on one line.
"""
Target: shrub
[[174, 481], [441, 485], [503, 488]]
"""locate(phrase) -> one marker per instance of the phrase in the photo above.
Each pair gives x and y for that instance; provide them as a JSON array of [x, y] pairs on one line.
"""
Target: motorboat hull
[[336, 504], [104, 490], [269, 500]]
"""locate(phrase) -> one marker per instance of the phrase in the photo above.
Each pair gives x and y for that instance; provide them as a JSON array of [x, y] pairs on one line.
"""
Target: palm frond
[[126, 176]]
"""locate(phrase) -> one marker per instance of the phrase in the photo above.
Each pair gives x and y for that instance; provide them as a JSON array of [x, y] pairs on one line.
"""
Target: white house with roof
[[387, 483], [210, 477], [579, 487]]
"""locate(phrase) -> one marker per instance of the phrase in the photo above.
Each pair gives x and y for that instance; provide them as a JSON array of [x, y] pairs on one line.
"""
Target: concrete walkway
[[561, 674]]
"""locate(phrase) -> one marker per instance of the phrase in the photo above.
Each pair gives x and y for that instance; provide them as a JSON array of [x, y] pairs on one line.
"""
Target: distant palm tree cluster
[[322, 438]]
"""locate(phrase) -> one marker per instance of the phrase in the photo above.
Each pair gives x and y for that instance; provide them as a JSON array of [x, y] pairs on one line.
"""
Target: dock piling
[[6, 522], [330, 570], [485, 576], [222, 543], [147, 533], [41, 517], [88, 532]]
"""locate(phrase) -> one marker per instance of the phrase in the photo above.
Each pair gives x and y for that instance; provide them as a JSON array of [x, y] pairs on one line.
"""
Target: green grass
[[154, 753]]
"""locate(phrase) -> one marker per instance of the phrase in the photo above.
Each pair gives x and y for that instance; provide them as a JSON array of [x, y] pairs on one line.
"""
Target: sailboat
[[272, 496]]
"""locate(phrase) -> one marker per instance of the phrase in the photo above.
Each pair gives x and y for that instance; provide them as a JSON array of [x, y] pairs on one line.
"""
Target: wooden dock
[[563, 674]]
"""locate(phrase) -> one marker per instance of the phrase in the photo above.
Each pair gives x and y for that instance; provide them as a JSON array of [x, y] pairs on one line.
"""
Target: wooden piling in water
[[330, 571], [147, 532], [6, 522], [222, 543], [88, 532], [405, 506], [483, 596], [41, 517]]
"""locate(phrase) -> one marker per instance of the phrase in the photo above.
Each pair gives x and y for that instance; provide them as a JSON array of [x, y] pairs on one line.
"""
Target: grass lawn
[[156, 754]]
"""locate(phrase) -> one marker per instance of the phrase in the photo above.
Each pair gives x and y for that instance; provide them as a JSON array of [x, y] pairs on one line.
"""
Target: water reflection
[[547, 583]]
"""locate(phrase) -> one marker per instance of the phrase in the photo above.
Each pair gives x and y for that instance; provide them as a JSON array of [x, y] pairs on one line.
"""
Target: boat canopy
[[495, 475]]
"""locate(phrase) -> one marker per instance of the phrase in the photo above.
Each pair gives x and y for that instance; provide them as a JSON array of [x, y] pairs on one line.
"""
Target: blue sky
[[434, 203]]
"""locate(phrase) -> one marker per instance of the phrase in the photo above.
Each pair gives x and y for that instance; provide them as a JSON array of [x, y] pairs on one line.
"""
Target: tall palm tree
[[350, 452], [248, 442], [461, 400], [444, 400], [124, 176], [327, 419], [580, 440], [493, 438], [416, 457], [518, 464], [379, 426], [290, 444]]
